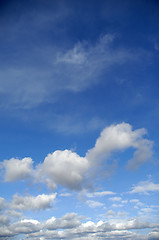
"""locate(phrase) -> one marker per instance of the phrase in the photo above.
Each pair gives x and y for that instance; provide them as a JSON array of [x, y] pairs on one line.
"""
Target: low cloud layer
[[68, 169], [70, 226]]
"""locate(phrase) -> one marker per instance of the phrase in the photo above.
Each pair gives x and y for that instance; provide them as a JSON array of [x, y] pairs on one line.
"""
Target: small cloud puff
[[145, 187], [16, 169]]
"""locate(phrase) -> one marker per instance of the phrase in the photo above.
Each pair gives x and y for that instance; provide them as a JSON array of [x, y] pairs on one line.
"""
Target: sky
[[79, 114]]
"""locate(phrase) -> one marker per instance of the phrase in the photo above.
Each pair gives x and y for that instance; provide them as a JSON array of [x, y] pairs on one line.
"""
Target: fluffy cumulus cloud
[[39, 202], [17, 169], [65, 168], [68, 169], [145, 187], [68, 221], [120, 137]]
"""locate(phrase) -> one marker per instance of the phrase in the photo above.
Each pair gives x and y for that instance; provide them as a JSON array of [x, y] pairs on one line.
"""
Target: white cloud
[[25, 226], [2, 203], [70, 227], [68, 221], [16, 169], [99, 194], [39, 202], [65, 168], [116, 199], [120, 137], [145, 187], [70, 170], [94, 204], [65, 194]]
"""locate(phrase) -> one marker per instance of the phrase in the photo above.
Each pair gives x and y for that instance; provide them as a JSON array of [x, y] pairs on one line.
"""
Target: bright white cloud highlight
[[120, 137], [16, 169], [65, 168]]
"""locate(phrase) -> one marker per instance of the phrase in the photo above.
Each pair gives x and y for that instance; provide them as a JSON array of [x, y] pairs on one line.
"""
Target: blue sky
[[79, 119]]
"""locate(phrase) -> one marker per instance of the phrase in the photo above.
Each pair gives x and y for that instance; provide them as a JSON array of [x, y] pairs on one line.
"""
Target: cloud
[[54, 68], [68, 169], [65, 168], [2, 203], [70, 226], [65, 194], [145, 187], [4, 220], [118, 138], [94, 204], [116, 199], [154, 235], [16, 169], [25, 226], [39, 202], [110, 212], [99, 194], [68, 221]]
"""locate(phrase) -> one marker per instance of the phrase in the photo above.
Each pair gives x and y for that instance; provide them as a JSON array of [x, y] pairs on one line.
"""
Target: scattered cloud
[[94, 204], [116, 199], [68, 169], [65, 194], [145, 187], [65, 168], [39, 202], [120, 137], [17, 169], [2, 203], [68, 221], [99, 194]]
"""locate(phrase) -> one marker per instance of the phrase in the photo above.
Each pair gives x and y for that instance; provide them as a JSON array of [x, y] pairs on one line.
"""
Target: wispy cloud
[[39, 75], [145, 187]]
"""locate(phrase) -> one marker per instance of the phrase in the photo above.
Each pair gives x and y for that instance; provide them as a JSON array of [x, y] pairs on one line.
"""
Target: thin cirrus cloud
[[68, 169], [58, 69]]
